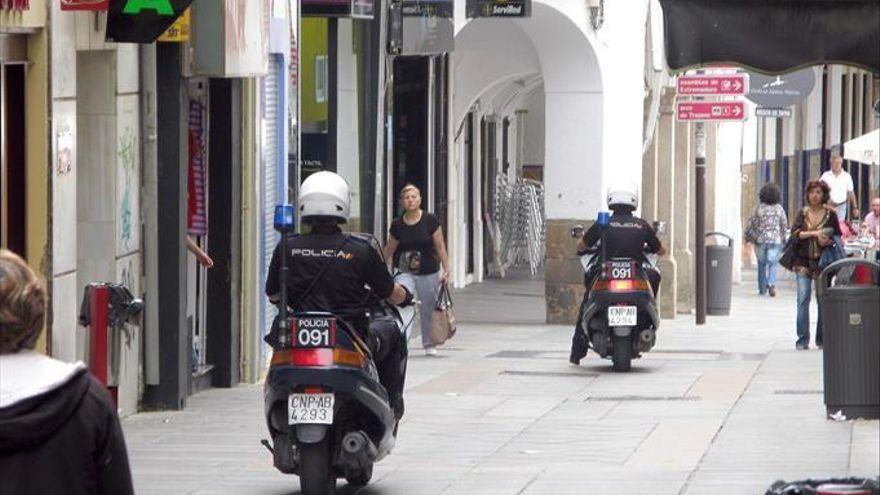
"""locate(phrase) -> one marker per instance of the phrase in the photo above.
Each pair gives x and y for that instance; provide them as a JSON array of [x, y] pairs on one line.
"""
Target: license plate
[[314, 331], [310, 409], [620, 270], [622, 316]]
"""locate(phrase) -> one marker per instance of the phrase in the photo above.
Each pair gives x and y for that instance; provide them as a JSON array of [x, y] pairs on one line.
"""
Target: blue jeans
[[804, 292], [768, 259]]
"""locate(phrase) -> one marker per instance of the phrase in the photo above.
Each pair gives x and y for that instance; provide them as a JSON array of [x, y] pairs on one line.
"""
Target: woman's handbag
[[832, 252], [751, 233], [443, 319], [786, 260]]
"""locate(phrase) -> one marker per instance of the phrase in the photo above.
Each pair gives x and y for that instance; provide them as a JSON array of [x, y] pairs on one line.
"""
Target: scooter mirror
[[577, 231], [659, 227]]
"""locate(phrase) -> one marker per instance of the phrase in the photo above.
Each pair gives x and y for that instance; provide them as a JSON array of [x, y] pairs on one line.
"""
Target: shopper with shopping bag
[[417, 248]]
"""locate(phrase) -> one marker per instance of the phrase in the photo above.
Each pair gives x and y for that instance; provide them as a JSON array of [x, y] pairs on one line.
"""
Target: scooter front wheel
[[621, 358], [315, 473]]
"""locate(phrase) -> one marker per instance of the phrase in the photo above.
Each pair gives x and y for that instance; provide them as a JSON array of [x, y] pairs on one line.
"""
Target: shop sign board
[[230, 38], [773, 113], [93, 5], [783, 90], [732, 85], [142, 21], [361, 9], [499, 8], [710, 111], [14, 4], [179, 31], [428, 8]]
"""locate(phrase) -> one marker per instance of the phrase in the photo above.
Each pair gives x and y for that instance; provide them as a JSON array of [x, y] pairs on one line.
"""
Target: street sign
[[774, 113], [732, 85], [781, 91], [498, 8], [709, 111]]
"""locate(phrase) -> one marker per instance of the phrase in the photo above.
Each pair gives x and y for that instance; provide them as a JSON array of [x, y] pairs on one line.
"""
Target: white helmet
[[325, 194], [624, 194]]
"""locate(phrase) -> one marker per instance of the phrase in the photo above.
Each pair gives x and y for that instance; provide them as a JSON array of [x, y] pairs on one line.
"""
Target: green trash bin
[[851, 337]]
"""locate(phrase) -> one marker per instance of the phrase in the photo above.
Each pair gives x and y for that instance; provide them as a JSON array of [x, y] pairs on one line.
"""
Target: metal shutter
[[269, 187]]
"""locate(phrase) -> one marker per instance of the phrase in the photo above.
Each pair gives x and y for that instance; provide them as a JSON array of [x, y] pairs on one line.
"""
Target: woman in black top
[[417, 248], [814, 229]]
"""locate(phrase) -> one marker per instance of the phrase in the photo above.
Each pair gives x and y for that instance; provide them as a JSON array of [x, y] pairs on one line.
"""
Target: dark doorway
[[411, 127], [12, 157]]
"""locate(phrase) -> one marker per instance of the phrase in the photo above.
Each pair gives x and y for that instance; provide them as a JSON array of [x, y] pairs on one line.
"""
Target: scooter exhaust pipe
[[646, 340], [358, 450]]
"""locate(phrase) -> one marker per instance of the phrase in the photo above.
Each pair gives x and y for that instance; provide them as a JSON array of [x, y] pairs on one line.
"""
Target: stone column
[[649, 182], [572, 177], [684, 256], [666, 200]]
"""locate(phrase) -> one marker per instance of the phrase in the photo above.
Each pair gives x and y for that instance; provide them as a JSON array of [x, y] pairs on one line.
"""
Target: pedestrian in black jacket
[[59, 433]]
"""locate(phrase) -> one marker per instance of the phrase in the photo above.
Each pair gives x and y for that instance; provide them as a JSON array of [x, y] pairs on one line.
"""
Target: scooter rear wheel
[[315, 473], [621, 359], [359, 477]]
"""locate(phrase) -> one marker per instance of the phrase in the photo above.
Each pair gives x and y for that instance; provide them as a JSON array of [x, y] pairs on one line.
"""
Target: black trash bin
[[851, 338], [719, 276]]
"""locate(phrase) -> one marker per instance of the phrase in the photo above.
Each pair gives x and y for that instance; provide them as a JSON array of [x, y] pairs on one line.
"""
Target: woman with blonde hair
[[416, 246], [59, 432]]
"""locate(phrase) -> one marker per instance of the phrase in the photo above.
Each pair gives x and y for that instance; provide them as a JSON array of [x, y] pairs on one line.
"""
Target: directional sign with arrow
[[707, 111], [733, 85]]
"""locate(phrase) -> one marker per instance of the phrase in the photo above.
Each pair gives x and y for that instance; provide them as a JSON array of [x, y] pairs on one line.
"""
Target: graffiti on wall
[[127, 155], [128, 176], [64, 147]]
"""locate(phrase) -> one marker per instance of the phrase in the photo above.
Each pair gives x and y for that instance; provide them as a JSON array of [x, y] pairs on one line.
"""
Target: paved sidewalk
[[723, 409]]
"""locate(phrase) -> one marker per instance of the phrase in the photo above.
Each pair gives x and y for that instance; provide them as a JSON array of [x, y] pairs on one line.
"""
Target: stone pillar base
[[668, 287], [684, 264], [564, 275]]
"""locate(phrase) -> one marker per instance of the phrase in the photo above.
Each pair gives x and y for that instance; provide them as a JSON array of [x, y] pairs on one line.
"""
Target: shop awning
[[864, 149], [772, 36]]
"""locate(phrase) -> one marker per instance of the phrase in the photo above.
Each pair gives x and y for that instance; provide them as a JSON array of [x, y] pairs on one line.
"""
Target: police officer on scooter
[[330, 271], [626, 236]]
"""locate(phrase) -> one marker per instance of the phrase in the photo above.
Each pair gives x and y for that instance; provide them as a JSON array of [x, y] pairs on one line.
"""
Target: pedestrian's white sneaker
[[430, 351]]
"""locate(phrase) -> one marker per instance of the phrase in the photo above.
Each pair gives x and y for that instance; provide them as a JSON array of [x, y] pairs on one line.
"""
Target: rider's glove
[[408, 300]]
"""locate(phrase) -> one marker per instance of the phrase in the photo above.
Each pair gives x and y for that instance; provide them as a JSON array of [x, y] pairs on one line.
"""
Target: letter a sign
[[142, 21]]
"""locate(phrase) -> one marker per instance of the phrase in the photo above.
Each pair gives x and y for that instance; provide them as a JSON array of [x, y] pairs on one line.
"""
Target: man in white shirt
[[842, 189]]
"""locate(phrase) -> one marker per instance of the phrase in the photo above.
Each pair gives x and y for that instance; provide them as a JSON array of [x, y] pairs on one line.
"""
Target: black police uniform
[[352, 263], [627, 236]]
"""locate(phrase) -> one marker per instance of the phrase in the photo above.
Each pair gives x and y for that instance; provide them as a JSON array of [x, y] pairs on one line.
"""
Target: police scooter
[[327, 413], [620, 316]]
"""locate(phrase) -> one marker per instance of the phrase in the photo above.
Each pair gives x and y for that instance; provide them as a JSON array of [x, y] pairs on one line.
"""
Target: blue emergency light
[[604, 218], [285, 216]]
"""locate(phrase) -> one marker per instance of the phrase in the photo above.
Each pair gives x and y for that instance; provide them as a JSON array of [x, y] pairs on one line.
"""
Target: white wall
[[96, 223], [590, 139], [535, 123], [347, 147]]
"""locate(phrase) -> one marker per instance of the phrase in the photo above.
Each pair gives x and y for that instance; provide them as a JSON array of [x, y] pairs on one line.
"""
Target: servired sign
[[732, 85], [709, 111]]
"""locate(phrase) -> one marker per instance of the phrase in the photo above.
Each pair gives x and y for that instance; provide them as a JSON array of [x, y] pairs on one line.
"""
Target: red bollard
[[98, 336]]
